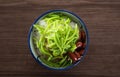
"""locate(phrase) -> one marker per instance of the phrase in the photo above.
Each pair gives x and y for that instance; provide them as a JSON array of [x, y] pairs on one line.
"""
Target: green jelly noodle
[[56, 35]]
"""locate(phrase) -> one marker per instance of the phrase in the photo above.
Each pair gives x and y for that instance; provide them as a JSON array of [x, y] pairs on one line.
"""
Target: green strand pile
[[57, 36]]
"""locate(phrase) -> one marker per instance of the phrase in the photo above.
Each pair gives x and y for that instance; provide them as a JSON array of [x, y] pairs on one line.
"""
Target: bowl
[[58, 55]]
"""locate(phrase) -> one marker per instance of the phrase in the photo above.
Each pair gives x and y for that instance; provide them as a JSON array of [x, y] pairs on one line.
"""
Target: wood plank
[[102, 19]]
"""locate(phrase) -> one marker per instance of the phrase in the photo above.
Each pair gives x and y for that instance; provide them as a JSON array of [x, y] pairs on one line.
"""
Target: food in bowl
[[58, 40]]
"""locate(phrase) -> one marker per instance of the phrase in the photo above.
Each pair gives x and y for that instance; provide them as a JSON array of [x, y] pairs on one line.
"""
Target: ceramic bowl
[[36, 54]]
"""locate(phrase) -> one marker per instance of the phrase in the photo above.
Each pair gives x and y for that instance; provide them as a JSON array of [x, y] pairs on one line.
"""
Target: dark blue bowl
[[36, 54]]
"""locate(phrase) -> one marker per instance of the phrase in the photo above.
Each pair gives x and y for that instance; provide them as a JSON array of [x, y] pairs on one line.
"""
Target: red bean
[[83, 45], [72, 56], [81, 52], [82, 36], [79, 44], [77, 54]]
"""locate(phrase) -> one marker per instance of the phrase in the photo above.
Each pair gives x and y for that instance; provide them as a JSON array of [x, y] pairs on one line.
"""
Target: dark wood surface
[[102, 18]]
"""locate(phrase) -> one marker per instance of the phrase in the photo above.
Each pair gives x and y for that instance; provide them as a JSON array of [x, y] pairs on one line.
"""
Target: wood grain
[[102, 18]]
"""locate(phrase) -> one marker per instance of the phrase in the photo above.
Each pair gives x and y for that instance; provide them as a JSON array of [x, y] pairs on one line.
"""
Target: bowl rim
[[81, 22]]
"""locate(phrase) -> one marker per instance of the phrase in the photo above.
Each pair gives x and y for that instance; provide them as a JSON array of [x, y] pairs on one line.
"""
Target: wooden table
[[103, 22]]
